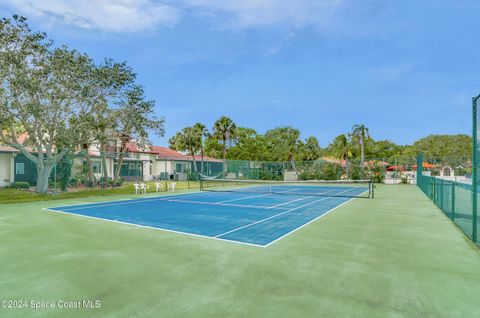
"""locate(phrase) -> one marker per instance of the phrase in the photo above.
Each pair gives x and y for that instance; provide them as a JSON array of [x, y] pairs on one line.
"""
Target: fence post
[[440, 195], [420, 171], [434, 188], [474, 169], [167, 175], [453, 201]]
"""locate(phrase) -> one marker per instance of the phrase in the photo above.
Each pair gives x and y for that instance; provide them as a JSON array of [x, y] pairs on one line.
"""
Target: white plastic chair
[[137, 188], [158, 187], [172, 186], [144, 187]]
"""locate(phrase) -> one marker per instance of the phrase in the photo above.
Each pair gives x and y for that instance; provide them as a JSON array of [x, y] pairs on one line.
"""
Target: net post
[[474, 168], [373, 188]]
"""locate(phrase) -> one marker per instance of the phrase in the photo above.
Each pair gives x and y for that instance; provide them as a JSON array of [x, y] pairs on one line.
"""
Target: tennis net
[[330, 188]]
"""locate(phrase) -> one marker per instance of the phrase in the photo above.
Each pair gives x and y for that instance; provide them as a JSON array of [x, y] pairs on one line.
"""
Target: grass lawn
[[394, 256], [8, 195]]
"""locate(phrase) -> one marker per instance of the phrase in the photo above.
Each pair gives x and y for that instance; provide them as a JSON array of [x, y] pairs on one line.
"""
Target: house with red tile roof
[[139, 164], [170, 163]]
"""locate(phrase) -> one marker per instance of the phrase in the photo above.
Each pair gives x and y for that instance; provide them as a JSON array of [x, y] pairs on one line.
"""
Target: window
[[130, 169], [20, 168], [97, 166], [180, 167]]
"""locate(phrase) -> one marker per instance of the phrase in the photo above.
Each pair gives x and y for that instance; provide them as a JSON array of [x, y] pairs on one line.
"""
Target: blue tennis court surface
[[251, 218]]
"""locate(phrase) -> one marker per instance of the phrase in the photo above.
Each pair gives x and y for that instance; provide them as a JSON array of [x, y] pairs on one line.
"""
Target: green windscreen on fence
[[475, 157], [454, 198], [458, 199]]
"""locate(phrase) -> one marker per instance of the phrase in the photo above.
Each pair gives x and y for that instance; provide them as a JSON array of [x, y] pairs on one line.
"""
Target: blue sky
[[405, 69]]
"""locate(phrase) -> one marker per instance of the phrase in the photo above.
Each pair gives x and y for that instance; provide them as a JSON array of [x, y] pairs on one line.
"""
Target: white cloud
[[255, 13], [105, 15], [140, 15]]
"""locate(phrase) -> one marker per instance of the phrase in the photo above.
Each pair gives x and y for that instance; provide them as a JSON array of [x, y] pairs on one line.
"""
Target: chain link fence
[[452, 183], [454, 198]]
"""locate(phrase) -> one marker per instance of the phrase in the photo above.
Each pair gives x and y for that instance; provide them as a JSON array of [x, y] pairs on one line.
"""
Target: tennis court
[[248, 212]]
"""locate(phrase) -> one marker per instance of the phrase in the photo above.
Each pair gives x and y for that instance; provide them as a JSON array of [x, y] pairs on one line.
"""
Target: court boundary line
[[305, 224], [288, 202], [188, 233], [276, 215], [299, 199], [253, 196], [261, 207], [144, 199], [248, 197], [153, 228]]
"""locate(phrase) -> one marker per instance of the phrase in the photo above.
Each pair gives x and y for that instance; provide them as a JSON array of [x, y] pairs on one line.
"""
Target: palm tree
[[361, 133], [284, 141], [224, 130], [341, 150], [201, 132], [186, 140]]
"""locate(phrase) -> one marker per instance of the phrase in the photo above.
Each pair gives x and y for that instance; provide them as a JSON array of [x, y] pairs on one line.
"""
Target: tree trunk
[[91, 178], [225, 157], [43, 175], [224, 150], [202, 155], [119, 166], [346, 166], [120, 160], [362, 146], [292, 162], [194, 163], [104, 163]]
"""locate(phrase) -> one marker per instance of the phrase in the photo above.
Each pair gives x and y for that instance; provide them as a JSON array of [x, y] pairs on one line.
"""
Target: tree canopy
[[59, 99], [285, 144]]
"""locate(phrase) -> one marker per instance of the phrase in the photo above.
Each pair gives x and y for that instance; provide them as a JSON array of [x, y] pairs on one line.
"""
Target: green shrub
[[378, 176], [20, 185], [356, 172], [192, 176], [88, 183], [64, 171], [330, 171], [321, 171], [117, 182]]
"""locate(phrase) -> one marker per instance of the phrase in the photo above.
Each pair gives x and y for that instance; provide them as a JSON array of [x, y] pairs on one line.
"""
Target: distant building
[[151, 163]]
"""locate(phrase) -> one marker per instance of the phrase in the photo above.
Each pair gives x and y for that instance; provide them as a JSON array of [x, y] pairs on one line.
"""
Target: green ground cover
[[394, 256], [8, 195]]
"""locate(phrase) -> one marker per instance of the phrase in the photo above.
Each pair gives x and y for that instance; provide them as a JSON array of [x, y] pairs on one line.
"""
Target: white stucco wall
[[159, 166], [6, 164]]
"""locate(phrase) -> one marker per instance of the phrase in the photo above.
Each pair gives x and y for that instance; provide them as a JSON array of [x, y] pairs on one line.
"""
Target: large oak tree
[[46, 92]]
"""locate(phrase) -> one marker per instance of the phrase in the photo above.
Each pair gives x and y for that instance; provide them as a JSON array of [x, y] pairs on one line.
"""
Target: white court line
[[286, 191], [276, 215], [138, 200], [305, 224], [187, 233], [155, 228], [257, 196], [248, 197], [300, 199], [288, 202], [311, 221], [222, 204]]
